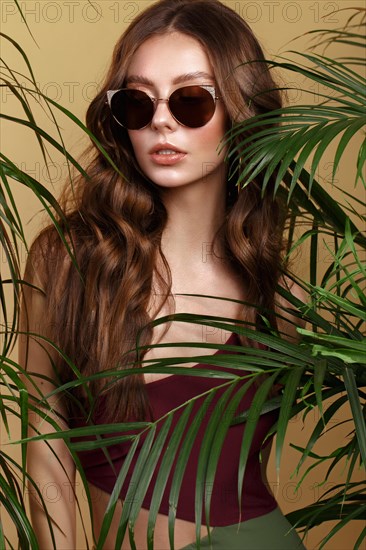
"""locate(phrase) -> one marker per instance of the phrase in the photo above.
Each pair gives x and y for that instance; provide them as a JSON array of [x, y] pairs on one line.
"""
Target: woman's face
[[161, 65]]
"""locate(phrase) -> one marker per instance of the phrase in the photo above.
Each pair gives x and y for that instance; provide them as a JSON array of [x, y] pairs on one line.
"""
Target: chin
[[170, 180]]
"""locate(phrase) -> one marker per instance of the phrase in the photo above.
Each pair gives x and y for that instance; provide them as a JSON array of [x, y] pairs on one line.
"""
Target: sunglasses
[[191, 106]]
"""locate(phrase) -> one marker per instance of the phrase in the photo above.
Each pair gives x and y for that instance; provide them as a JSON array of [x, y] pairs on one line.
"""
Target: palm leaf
[[164, 471], [328, 361]]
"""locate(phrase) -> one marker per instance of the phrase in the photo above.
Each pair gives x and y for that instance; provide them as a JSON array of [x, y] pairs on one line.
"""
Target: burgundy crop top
[[164, 395]]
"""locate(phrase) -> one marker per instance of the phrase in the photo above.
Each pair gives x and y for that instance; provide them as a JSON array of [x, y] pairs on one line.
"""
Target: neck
[[194, 216]]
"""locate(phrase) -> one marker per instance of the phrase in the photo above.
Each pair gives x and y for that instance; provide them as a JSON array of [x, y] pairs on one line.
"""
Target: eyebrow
[[138, 79]]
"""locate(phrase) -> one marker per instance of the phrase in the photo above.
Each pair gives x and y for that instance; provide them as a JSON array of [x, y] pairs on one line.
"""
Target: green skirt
[[268, 532]]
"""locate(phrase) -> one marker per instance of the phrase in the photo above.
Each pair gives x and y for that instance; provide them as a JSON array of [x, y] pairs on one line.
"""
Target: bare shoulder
[[289, 316]]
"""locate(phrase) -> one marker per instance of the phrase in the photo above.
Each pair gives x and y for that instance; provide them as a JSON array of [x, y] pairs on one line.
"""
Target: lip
[[166, 160], [161, 146]]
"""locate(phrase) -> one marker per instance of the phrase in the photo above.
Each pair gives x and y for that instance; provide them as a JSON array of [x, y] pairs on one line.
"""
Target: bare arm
[[49, 464]]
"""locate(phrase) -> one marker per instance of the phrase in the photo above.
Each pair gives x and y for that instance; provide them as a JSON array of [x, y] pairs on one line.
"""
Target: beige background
[[75, 43]]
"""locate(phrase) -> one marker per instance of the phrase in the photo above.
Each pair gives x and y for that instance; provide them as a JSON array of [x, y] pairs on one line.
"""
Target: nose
[[163, 118]]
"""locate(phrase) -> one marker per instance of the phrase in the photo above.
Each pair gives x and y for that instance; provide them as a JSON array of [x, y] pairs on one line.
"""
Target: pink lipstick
[[166, 154]]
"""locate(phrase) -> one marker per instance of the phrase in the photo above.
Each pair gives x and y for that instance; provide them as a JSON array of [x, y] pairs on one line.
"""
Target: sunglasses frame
[[209, 87]]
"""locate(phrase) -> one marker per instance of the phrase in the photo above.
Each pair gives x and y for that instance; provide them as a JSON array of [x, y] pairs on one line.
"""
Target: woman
[[170, 221]]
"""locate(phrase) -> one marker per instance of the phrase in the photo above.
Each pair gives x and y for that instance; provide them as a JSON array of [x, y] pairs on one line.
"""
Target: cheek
[[212, 141], [135, 140], [139, 146], [221, 124]]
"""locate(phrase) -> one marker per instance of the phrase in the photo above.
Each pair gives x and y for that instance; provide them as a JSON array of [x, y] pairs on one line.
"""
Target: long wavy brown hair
[[115, 222]]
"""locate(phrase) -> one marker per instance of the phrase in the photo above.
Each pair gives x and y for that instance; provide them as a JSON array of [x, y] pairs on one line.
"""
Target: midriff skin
[[185, 531]]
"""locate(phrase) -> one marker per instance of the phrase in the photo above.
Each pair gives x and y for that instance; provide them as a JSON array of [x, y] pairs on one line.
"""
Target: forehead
[[169, 58]]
